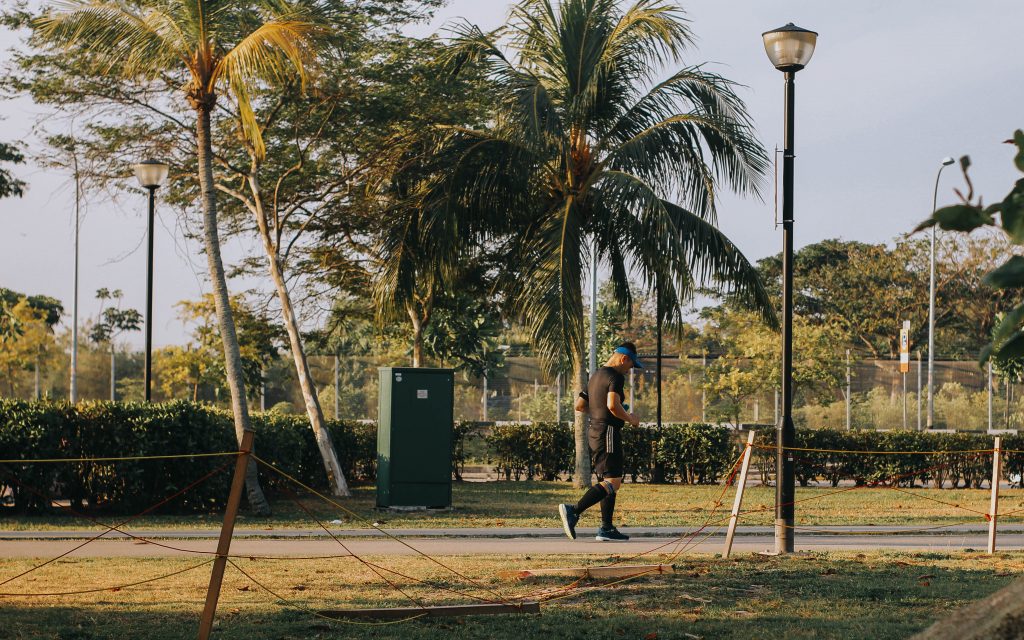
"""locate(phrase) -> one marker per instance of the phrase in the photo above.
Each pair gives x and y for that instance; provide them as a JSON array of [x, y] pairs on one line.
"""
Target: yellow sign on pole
[[905, 347]]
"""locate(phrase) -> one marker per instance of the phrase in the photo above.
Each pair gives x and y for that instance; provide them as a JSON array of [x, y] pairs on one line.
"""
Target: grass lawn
[[532, 504], [876, 595]]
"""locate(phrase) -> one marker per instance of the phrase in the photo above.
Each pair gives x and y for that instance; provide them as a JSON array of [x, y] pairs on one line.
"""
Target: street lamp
[[931, 303], [790, 49], [151, 175]]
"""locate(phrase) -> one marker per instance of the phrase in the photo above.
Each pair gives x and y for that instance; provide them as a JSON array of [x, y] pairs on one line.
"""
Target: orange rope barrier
[[876, 453], [374, 526], [189, 487], [114, 588], [296, 605]]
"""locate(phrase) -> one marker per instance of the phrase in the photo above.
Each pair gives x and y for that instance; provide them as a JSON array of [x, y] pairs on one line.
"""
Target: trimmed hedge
[[959, 470], [40, 430], [688, 453]]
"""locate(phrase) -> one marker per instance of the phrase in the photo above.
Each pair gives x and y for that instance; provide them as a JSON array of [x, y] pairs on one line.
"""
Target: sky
[[892, 89]]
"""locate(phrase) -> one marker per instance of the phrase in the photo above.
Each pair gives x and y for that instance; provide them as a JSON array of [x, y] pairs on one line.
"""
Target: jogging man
[[603, 401]]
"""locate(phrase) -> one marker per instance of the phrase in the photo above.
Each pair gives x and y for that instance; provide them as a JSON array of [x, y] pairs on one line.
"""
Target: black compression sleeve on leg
[[607, 511], [595, 494]]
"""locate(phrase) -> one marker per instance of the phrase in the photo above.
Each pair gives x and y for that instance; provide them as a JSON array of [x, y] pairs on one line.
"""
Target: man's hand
[[634, 420]]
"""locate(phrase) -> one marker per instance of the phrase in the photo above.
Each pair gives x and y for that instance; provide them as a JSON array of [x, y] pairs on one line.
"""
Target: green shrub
[[831, 462], [39, 430], [694, 453], [543, 449]]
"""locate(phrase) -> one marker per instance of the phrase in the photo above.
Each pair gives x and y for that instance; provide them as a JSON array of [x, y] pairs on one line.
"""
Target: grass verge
[[834, 595]]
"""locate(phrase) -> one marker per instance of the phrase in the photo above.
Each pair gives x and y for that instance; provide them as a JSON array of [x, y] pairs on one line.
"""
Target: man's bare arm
[[615, 406]]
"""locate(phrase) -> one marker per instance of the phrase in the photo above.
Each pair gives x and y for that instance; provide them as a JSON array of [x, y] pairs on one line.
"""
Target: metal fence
[[875, 398]]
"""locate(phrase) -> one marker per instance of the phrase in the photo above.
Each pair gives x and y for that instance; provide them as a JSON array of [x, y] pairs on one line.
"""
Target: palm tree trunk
[[581, 475], [232, 356], [113, 394], [335, 475], [417, 337]]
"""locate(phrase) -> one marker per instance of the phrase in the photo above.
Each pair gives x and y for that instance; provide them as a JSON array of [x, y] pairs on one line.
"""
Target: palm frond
[[277, 51], [688, 245], [141, 43]]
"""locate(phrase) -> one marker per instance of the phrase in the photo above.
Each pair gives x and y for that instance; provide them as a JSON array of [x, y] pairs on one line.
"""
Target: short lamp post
[[151, 175], [790, 49]]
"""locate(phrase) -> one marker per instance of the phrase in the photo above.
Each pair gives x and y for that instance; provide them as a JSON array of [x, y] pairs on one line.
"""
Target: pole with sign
[[905, 363]]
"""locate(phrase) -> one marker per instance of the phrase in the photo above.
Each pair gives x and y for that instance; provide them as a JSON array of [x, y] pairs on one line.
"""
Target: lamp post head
[[947, 161], [789, 48], [151, 173]]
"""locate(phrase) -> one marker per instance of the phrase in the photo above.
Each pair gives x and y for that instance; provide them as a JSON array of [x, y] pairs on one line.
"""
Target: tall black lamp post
[[150, 174], [790, 49]]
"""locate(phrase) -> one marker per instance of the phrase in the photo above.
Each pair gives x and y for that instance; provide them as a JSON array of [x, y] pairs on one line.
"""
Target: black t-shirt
[[604, 381]]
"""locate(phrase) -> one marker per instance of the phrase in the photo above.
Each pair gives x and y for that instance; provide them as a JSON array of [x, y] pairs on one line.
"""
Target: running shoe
[[611, 535], [569, 519]]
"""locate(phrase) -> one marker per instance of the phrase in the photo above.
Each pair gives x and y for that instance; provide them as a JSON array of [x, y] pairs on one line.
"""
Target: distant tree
[[870, 289], [9, 185], [26, 334], [259, 340], [746, 363], [113, 321]]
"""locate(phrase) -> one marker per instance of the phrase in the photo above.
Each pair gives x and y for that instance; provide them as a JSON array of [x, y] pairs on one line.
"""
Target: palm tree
[[219, 46], [112, 322], [589, 158]]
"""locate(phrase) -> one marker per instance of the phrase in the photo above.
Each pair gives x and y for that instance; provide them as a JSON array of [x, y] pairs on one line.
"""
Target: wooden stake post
[[226, 531], [993, 508], [738, 502]]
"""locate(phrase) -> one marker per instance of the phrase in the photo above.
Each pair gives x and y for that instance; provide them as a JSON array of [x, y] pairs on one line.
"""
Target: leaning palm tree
[[217, 46], [589, 159]]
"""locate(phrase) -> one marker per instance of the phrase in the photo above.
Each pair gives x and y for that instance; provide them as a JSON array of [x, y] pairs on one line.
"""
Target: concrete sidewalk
[[498, 532], [585, 545], [501, 541]]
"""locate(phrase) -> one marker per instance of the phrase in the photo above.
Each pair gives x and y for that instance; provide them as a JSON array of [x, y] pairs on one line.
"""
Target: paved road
[[753, 539], [479, 532]]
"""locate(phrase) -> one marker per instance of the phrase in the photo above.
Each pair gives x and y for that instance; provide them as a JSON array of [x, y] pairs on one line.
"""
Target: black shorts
[[606, 451]]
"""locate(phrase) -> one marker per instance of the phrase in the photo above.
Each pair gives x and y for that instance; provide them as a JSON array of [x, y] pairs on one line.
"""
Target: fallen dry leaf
[[925, 583], [926, 576], [245, 588], [299, 587], [651, 636]]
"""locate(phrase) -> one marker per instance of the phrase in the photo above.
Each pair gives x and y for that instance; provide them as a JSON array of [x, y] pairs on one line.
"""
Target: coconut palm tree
[[218, 47], [588, 157]]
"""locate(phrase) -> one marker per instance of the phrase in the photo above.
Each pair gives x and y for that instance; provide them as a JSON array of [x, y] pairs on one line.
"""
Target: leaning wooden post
[[226, 531], [738, 502], [993, 507]]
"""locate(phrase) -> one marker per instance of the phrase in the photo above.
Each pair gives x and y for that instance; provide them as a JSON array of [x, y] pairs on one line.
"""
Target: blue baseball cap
[[631, 352]]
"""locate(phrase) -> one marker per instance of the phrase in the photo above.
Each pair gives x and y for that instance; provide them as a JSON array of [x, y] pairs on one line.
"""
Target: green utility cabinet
[[414, 437]]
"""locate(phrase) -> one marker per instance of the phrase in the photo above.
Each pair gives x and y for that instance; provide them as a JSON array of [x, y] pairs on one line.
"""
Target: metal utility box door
[[414, 437]]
